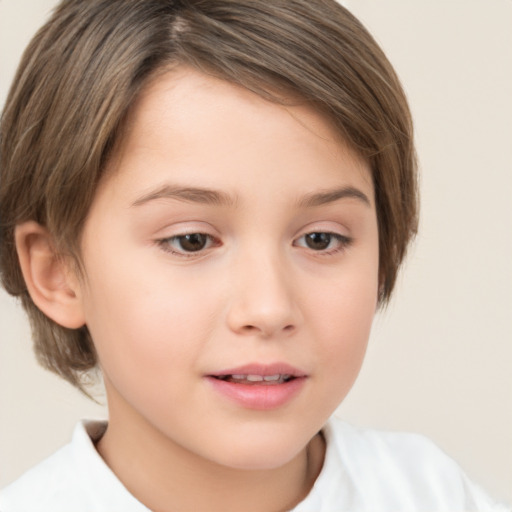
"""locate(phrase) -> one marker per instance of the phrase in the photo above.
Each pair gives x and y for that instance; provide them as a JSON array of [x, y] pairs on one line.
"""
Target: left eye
[[189, 243], [321, 241]]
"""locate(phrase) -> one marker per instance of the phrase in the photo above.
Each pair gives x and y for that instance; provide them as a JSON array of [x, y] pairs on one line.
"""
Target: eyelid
[[183, 228]]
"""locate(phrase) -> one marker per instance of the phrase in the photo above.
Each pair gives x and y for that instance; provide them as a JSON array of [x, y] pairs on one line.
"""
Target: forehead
[[190, 120]]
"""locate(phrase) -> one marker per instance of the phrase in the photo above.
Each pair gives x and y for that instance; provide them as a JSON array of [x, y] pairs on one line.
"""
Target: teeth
[[261, 378], [254, 378]]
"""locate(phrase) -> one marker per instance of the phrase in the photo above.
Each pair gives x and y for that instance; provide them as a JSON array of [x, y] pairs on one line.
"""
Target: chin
[[259, 453], [262, 461]]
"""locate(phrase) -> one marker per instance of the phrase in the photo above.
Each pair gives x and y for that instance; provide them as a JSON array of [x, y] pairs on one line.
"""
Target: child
[[208, 200]]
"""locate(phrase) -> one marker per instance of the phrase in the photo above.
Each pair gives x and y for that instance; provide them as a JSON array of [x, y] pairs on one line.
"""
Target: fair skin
[[279, 272]]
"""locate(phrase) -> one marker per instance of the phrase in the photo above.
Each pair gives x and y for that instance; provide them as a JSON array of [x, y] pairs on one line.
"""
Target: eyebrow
[[218, 198], [189, 194], [330, 196]]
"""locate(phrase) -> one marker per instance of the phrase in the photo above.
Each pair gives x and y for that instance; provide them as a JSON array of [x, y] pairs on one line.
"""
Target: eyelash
[[343, 242]]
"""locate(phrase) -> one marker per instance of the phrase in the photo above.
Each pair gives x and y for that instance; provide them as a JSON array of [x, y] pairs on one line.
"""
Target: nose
[[263, 302]]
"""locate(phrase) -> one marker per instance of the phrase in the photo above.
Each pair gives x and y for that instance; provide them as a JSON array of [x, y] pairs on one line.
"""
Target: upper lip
[[262, 369]]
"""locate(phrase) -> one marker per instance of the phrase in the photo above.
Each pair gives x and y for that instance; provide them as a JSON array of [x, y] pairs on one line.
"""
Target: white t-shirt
[[364, 470]]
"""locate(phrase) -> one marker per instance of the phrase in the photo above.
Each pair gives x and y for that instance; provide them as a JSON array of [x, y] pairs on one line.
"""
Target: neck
[[165, 476]]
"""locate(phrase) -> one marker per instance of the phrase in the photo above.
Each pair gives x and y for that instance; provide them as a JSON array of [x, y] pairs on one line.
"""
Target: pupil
[[193, 242], [318, 241]]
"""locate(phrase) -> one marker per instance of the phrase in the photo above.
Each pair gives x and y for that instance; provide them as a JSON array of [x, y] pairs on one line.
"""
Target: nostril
[[249, 329]]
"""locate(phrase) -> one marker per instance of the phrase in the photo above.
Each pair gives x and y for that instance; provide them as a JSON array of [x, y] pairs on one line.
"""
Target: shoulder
[[42, 485], [74, 478], [411, 454], [394, 471]]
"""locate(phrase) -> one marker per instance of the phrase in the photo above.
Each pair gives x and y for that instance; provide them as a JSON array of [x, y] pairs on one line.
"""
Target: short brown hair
[[85, 67]]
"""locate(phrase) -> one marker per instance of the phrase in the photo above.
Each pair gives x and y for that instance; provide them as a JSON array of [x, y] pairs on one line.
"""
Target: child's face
[[279, 272]]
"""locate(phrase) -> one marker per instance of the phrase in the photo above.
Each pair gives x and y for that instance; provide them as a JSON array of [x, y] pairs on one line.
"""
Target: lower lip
[[260, 397]]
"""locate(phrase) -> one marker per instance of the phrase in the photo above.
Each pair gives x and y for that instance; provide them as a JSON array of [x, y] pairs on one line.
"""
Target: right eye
[[187, 244]]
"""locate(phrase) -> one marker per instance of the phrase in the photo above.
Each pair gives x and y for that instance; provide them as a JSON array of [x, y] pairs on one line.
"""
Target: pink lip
[[259, 396]]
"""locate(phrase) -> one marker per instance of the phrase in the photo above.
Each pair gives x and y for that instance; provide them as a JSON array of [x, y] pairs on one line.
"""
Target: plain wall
[[440, 357]]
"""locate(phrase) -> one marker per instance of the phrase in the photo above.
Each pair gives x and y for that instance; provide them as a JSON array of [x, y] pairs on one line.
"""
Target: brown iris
[[318, 241]]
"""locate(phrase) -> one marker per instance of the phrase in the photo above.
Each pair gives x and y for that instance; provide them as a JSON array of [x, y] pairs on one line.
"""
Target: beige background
[[440, 357]]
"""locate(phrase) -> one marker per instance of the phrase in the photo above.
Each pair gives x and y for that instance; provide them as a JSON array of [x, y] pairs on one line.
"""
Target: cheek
[[144, 320], [343, 324], [148, 346], [345, 336]]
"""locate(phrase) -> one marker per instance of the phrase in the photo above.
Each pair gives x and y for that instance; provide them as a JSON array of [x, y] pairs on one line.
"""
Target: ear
[[52, 285]]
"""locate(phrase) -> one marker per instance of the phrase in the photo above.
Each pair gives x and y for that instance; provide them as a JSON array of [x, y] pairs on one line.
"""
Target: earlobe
[[50, 282]]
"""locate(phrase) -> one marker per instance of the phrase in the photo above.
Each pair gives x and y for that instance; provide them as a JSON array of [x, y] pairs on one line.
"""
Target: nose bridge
[[262, 301]]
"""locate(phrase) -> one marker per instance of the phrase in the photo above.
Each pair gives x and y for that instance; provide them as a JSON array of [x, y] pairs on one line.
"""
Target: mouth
[[256, 380], [259, 387], [260, 374]]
